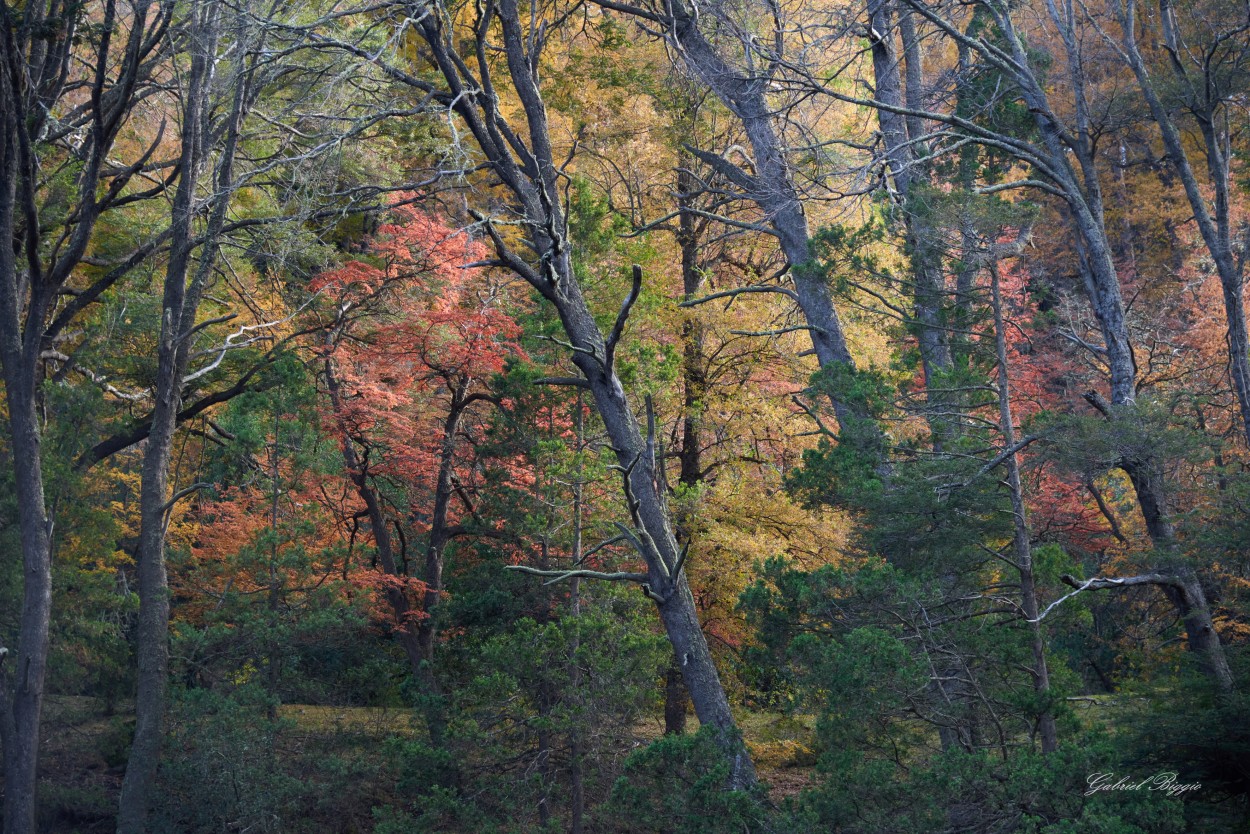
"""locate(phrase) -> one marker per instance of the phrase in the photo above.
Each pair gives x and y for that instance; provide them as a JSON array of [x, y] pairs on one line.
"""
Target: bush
[[222, 769], [677, 784]]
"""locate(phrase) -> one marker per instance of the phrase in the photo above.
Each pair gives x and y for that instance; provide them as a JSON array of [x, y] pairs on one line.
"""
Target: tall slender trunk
[[904, 147], [180, 305], [273, 649], [1021, 545], [427, 626], [577, 752], [21, 690], [694, 385], [105, 75], [905, 152]]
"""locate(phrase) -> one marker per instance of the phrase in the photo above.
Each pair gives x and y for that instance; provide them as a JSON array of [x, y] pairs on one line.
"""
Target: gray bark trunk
[[180, 307], [577, 752], [427, 627], [32, 86], [21, 690], [22, 698], [771, 186], [1021, 545], [1212, 218], [528, 172], [1186, 593], [905, 150], [178, 314]]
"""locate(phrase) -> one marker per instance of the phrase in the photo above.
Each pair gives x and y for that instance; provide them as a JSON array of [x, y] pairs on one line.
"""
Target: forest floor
[[85, 743]]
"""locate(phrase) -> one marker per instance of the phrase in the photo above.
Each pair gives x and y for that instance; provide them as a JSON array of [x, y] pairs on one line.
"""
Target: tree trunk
[[406, 633], [905, 150], [21, 691], [1186, 592], [1021, 544], [694, 389], [427, 626], [180, 306], [534, 186], [771, 186], [577, 788], [23, 688], [1213, 221]]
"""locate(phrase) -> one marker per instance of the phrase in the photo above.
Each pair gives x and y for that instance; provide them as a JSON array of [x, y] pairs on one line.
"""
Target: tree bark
[[771, 186], [577, 752], [33, 83], [524, 162], [1021, 544], [905, 151], [427, 626], [179, 307], [1213, 218]]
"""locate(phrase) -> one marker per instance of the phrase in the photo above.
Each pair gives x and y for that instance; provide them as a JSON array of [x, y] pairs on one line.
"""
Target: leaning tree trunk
[[771, 186], [666, 581], [524, 160], [1213, 220], [1082, 193]]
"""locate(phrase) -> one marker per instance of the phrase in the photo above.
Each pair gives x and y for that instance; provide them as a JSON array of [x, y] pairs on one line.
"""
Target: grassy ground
[[84, 752]]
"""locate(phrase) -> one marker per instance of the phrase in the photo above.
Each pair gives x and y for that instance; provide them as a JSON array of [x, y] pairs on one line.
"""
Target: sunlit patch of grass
[[377, 722]]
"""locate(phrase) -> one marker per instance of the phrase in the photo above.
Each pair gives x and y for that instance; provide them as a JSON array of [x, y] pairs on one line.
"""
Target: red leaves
[[423, 331]]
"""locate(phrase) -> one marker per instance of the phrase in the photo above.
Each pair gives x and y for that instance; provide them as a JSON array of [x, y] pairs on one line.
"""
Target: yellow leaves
[[744, 519], [748, 518]]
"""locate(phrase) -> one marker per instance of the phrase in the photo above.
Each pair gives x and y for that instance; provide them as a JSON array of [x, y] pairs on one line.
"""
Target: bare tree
[[47, 56], [770, 183], [506, 48], [1207, 60], [1060, 160]]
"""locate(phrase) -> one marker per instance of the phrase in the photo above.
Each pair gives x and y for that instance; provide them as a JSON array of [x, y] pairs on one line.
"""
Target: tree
[[410, 355], [1207, 64], [47, 124], [1062, 159], [179, 309]]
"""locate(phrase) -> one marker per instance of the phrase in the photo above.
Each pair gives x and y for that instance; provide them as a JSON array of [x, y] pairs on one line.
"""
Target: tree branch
[[618, 329], [580, 573]]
